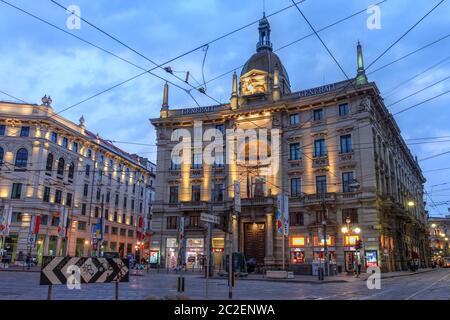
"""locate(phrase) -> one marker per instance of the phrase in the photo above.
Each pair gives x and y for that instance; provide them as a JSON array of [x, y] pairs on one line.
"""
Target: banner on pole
[[5, 223], [286, 215], [62, 228]]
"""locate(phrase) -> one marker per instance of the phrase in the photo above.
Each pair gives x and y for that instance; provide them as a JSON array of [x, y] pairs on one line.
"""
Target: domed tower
[[263, 75]]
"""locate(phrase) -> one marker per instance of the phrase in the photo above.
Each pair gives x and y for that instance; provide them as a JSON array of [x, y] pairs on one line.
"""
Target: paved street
[[433, 285]]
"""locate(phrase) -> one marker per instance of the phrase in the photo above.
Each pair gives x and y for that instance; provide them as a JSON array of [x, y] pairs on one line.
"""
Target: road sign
[[57, 270], [209, 218]]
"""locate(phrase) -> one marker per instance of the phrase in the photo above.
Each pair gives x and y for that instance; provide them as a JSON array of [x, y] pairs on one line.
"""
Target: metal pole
[[208, 257], [324, 223], [230, 260], [99, 241], [49, 292], [283, 244]]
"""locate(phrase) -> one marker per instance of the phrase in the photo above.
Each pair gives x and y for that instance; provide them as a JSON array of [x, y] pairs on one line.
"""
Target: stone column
[[58, 246], [45, 244], [269, 258]]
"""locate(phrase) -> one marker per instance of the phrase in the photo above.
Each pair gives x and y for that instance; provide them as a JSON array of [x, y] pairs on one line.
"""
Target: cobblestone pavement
[[434, 285]]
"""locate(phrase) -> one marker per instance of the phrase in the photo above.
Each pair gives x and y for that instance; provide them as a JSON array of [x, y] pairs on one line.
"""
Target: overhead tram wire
[[11, 96], [408, 31], [183, 54], [392, 90], [422, 102], [133, 50], [299, 39]]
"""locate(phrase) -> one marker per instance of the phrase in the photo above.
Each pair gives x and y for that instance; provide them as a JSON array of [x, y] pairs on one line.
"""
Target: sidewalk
[[18, 268], [343, 277]]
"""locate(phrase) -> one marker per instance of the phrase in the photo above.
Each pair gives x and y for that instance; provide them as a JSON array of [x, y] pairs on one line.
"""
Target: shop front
[[171, 252], [350, 253], [218, 247], [154, 257], [195, 254], [371, 258], [297, 249], [319, 249]]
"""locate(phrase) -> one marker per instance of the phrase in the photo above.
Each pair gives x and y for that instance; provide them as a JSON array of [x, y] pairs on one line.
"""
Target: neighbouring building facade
[[52, 168], [353, 188], [439, 235]]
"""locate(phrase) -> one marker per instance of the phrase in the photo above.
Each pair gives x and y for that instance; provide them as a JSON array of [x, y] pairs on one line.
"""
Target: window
[[171, 222], [60, 169], [296, 187], [346, 143], [130, 233], [124, 218], [125, 200], [69, 200], [16, 192], [46, 197], [173, 194], [123, 232], [89, 153], [58, 196], [24, 131], [131, 220], [96, 212], [16, 217], [81, 225], [321, 184], [98, 194], [106, 230], [75, 147], [175, 166], [221, 128], [65, 143], [351, 213], [134, 188], [320, 149], [114, 230], [347, 178], [116, 200], [218, 161], [108, 195], [195, 193], [218, 192], [54, 137], [296, 219], [319, 216], [2, 129], [44, 220], [88, 170], [106, 215], [294, 119], [132, 204], [49, 165], [115, 216], [140, 207], [2, 152], [71, 170], [259, 186], [21, 158], [83, 209], [85, 190], [194, 221], [343, 109], [318, 115], [55, 221], [197, 160], [295, 151]]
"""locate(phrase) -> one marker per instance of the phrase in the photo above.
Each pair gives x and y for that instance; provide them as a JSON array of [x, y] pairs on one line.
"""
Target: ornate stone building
[[341, 162], [50, 167]]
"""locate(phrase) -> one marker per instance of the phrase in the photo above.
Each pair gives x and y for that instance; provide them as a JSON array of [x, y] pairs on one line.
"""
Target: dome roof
[[265, 60]]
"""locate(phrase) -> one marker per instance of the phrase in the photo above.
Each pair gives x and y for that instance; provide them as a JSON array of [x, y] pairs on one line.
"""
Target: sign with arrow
[[209, 218], [59, 270]]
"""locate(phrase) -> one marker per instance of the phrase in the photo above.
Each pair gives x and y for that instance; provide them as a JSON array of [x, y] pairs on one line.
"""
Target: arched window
[[21, 158], [60, 170], [49, 165], [1, 156], [71, 170]]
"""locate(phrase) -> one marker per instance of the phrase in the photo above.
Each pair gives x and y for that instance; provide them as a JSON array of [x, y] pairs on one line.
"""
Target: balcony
[[295, 164], [194, 205], [319, 198], [346, 158], [257, 201], [196, 172], [320, 161]]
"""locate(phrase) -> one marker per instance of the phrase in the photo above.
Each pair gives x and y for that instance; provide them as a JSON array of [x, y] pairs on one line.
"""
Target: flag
[[286, 215], [35, 224], [248, 187], [62, 228], [5, 223], [279, 214], [237, 196], [140, 226]]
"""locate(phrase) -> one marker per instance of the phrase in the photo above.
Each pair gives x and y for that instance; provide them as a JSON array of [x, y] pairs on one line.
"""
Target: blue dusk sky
[[37, 59]]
